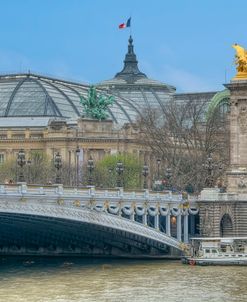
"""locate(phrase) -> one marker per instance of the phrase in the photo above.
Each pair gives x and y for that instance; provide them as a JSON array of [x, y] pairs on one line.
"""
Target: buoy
[[192, 262]]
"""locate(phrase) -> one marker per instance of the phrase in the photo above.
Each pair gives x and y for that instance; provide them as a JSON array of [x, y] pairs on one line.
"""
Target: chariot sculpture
[[240, 62]]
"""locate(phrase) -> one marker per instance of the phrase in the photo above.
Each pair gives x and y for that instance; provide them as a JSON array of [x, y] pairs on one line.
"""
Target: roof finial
[[130, 72], [130, 46]]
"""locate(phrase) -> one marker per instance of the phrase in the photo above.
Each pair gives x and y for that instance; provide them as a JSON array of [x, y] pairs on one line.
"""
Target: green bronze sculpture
[[95, 106]]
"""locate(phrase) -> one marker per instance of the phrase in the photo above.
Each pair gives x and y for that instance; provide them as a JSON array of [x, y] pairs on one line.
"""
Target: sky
[[185, 43]]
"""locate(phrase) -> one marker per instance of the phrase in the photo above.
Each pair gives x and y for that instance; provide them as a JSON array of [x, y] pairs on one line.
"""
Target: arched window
[[226, 228]]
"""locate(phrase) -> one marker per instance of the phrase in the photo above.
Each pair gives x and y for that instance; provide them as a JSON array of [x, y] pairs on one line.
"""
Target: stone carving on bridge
[[207, 223], [240, 62], [242, 119], [242, 182]]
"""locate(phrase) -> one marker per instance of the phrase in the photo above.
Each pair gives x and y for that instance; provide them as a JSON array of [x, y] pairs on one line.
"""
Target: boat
[[217, 251]]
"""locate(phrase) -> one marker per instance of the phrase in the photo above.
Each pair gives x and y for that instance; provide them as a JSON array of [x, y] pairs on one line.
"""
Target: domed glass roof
[[134, 85], [34, 95]]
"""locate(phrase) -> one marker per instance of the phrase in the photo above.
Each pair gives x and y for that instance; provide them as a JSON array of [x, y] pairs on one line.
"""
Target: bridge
[[63, 221]]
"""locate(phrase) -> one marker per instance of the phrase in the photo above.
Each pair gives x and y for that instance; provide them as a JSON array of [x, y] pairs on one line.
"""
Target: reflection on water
[[75, 279]]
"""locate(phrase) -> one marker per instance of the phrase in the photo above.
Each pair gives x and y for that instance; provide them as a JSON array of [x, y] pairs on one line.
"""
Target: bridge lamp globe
[[173, 220]]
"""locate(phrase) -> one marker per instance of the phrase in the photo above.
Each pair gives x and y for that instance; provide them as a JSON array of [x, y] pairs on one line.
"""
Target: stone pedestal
[[237, 174], [224, 214]]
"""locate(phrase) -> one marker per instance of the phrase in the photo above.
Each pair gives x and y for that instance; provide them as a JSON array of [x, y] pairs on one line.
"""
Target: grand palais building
[[45, 114]]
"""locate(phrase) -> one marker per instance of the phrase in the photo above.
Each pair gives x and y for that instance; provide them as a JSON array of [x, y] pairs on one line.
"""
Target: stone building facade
[[44, 113], [225, 214]]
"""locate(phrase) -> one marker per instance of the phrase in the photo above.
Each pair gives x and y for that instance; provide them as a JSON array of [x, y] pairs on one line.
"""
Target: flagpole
[[130, 25]]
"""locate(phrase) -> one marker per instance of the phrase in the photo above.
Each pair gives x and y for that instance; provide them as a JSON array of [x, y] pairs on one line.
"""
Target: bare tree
[[183, 136]]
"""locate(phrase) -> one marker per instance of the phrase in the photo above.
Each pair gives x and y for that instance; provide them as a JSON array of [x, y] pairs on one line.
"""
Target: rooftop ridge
[[40, 76]]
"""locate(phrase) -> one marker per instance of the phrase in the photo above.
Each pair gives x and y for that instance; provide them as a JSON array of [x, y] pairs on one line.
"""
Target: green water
[[73, 279]]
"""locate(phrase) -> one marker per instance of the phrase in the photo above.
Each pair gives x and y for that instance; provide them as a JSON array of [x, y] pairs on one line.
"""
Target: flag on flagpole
[[124, 25]]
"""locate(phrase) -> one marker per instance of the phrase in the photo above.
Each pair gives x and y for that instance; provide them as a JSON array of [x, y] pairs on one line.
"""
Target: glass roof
[[33, 95]]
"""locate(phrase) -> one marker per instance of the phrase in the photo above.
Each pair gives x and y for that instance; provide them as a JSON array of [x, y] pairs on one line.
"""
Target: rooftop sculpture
[[241, 62], [95, 106]]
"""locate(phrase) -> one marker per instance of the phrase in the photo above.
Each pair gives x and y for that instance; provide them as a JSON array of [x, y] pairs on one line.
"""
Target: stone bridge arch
[[33, 228]]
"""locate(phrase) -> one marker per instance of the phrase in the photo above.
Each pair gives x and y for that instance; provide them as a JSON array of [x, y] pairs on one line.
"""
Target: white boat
[[217, 251]]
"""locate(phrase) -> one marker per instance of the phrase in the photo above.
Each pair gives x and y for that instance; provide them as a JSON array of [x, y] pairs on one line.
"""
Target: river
[[73, 279]]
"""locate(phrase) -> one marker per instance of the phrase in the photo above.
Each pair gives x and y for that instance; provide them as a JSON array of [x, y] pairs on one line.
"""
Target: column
[[168, 224], [179, 227], [144, 218], [132, 216], [156, 221], [186, 228]]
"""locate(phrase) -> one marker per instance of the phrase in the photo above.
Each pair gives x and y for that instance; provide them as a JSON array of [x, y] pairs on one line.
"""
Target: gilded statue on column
[[240, 62]]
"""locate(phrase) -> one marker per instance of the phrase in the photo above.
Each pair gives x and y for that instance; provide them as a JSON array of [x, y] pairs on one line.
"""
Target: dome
[[133, 85], [30, 95]]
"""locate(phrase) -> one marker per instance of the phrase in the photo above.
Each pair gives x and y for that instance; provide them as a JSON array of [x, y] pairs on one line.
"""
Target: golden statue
[[241, 62]]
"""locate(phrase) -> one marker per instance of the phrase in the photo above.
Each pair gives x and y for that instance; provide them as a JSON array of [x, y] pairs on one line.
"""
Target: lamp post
[[158, 167], [21, 163], [168, 175], [145, 172], [77, 152], [119, 170], [29, 162], [58, 166], [90, 168], [110, 170]]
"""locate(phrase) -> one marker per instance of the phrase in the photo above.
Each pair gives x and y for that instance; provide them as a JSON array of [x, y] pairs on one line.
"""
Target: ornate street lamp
[[21, 163], [90, 168], [158, 167], [119, 170], [145, 172], [77, 152], [168, 175], [58, 166], [29, 162], [110, 172]]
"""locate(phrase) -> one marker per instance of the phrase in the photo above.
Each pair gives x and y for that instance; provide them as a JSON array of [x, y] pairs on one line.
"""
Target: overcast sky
[[185, 43]]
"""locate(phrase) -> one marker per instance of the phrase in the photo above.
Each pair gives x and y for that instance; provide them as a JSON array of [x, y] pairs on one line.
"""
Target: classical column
[[179, 227], [157, 221], [168, 223], [186, 228]]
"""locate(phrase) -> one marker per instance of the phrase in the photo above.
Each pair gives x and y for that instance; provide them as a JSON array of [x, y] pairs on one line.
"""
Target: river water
[[74, 279]]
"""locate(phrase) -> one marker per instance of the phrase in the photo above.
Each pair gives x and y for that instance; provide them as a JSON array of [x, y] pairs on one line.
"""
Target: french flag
[[124, 25]]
